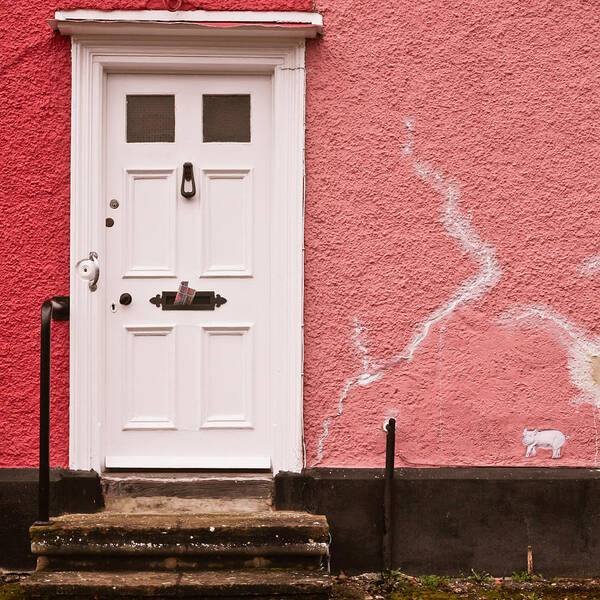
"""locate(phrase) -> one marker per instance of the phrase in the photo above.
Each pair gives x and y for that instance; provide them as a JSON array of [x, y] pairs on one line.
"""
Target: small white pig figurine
[[550, 439]]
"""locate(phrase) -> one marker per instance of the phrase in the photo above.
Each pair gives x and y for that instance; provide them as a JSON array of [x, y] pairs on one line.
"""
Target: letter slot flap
[[201, 301]]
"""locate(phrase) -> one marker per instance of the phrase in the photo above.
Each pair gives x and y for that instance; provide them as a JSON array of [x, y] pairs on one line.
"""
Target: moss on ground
[[10, 591], [397, 586], [477, 586]]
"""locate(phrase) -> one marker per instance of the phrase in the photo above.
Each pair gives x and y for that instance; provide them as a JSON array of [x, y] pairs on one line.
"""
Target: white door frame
[[93, 57]]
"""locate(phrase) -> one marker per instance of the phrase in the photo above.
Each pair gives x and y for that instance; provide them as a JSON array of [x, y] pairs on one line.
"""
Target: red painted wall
[[35, 73], [452, 225]]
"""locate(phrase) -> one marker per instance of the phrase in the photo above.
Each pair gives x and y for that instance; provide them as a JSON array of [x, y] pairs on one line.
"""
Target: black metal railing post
[[58, 309], [388, 494]]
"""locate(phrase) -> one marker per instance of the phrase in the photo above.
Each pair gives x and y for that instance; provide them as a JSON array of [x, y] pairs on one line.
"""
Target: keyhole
[[113, 307]]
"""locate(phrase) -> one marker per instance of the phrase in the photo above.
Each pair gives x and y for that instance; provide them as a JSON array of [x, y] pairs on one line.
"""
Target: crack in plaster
[[440, 376], [595, 437], [583, 350], [589, 267], [458, 226]]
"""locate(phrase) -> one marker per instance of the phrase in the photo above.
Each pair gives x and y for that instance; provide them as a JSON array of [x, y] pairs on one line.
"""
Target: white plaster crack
[[581, 347], [440, 377], [589, 267], [583, 350], [458, 225], [595, 437]]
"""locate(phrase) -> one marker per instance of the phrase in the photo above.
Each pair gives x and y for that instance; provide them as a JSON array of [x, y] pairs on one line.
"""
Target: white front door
[[188, 388]]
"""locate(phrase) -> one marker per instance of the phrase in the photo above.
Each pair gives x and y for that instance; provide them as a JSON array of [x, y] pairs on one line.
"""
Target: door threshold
[[184, 472], [188, 462], [180, 475]]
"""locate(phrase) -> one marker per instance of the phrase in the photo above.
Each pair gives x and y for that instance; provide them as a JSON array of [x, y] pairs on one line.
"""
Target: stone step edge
[[178, 537], [99, 563], [161, 549], [267, 521], [166, 504], [217, 584]]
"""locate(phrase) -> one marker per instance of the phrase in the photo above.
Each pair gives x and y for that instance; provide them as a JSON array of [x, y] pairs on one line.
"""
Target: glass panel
[[226, 117], [150, 118]]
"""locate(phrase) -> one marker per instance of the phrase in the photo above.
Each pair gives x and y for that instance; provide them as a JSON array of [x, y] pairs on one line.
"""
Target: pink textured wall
[[451, 227], [452, 186]]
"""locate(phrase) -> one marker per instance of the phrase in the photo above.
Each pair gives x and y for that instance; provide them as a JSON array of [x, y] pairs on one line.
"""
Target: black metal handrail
[[388, 494], [58, 309]]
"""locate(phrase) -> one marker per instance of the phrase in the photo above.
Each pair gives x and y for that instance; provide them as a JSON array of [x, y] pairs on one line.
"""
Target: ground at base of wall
[[9, 585], [398, 586], [472, 586]]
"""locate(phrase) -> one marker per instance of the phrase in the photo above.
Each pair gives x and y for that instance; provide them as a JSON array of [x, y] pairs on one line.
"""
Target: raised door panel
[[227, 391], [227, 228], [149, 378], [150, 223]]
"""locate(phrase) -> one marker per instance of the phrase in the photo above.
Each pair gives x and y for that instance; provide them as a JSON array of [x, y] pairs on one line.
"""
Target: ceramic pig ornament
[[550, 439]]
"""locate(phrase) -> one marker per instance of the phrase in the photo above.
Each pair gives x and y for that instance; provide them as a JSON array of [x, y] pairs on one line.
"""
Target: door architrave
[[93, 58]]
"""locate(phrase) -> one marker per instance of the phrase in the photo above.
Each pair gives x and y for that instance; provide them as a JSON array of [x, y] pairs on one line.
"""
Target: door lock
[[125, 299]]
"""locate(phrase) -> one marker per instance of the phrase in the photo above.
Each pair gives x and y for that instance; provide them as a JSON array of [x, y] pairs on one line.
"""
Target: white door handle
[[89, 270]]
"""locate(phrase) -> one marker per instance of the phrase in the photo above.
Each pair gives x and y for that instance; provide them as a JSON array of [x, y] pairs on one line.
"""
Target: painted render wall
[[452, 228]]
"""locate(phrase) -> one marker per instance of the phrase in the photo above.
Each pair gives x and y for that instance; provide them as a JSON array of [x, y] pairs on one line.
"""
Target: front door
[[187, 388]]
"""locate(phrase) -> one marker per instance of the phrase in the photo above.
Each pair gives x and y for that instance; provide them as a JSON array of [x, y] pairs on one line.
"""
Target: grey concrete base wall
[[449, 521], [70, 491]]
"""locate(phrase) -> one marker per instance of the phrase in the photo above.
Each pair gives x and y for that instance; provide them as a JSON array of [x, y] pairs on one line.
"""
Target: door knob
[[125, 299], [89, 270]]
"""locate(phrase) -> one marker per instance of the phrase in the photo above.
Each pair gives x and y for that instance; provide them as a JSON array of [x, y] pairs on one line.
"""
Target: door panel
[[187, 388], [151, 206], [227, 386], [149, 378], [227, 234]]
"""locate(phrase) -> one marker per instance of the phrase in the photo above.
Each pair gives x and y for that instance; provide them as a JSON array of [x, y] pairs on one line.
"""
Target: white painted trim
[[192, 16], [92, 59], [187, 462], [188, 22]]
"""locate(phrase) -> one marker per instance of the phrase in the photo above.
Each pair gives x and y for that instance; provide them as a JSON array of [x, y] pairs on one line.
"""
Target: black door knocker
[[188, 175]]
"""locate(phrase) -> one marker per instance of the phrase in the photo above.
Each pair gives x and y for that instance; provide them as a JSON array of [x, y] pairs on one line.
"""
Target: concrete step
[[115, 541], [225, 585], [187, 492]]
